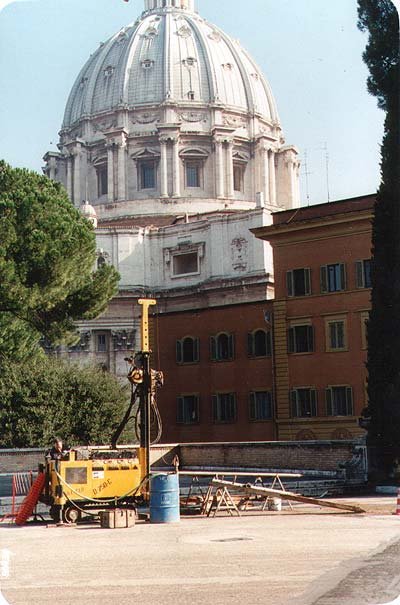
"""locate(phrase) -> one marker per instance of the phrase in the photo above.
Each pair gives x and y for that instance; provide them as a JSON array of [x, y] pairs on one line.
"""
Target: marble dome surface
[[169, 54]]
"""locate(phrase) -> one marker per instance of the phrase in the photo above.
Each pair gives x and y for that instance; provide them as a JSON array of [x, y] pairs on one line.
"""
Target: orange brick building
[[292, 368]]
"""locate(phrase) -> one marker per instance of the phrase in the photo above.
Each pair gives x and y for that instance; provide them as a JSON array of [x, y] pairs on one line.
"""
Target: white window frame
[[181, 415], [290, 282], [253, 403], [330, 348], [331, 406], [296, 403]]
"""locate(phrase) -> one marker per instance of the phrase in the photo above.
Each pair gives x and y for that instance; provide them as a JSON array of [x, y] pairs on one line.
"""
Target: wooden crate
[[117, 518]]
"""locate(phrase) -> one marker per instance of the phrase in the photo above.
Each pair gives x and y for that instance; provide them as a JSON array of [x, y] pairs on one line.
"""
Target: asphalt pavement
[[309, 557]]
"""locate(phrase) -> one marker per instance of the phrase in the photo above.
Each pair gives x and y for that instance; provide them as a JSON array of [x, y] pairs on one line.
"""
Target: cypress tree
[[380, 19]]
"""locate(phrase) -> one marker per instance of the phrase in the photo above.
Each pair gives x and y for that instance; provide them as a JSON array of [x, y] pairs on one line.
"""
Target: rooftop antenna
[[306, 173], [325, 149]]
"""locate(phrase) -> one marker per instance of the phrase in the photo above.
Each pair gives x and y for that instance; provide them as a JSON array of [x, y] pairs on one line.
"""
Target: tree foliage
[[47, 255], [380, 19], [48, 397]]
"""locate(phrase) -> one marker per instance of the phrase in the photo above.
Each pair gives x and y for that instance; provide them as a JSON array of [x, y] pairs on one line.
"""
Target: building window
[[222, 347], [298, 282], [187, 350], [147, 175], [259, 344], [364, 329], [336, 338], [188, 409], [193, 174], [102, 180], [339, 401], [238, 177], [363, 273], [260, 403], [101, 343], [333, 278], [224, 407], [185, 264], [301, 339], [191, 95], [303, 402]]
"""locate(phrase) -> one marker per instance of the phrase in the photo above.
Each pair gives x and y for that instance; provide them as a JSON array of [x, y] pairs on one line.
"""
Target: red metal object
[[27, 507], [20, 485]]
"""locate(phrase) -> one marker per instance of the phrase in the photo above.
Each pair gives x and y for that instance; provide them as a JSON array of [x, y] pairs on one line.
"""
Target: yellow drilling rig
[[85, 480]]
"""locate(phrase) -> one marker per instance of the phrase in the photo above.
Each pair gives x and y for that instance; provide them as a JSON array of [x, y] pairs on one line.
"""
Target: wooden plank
[[251, 489]]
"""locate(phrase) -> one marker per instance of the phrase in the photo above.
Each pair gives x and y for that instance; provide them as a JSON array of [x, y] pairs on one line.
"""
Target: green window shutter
[[310, 338], [329, 407], [215, 410], [359, 274], [332, 336], [196, 349], [349, 401], [313, 398], [213, 348], [197, 403], [343, 276], [289, 283], [324, 278], [179, 351], [250, 344], [232, 402], [341, 337], [252, 404], [180, 410], [231, 354], [307, 281], [291, 340], [293, 402]]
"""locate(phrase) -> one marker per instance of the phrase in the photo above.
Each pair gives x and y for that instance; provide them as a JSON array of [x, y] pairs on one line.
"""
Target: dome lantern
[[155, 4]]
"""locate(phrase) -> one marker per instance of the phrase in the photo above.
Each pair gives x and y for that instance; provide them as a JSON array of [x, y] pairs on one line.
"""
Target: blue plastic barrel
[[164, 499]]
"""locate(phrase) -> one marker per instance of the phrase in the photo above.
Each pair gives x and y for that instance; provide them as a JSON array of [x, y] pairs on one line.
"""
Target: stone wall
[[344, 458]]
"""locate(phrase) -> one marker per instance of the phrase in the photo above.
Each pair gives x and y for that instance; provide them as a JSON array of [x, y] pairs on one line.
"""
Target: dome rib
[[202, 42]]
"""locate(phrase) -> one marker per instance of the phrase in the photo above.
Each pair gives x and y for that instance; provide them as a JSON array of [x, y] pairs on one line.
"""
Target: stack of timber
[[284, 495]]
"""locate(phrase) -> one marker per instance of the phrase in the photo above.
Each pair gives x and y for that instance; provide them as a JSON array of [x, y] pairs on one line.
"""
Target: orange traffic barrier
[[29, 503]]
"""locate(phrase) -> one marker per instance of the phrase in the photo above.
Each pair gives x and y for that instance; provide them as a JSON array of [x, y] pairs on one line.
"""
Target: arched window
[[187, 350], [222, 347], [259, 344]]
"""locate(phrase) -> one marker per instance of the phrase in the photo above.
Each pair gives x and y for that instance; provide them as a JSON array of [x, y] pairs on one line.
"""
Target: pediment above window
[[194, 153], [146, 154]]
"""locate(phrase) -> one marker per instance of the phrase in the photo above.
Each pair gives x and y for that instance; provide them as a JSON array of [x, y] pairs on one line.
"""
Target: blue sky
[[309, 50]]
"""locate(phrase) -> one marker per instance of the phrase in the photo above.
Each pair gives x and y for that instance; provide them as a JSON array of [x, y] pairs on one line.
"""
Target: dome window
[[227, 66], [83, 82], [147, 64], [190, 61], [151, 32], [191, 95], [184, 31], [108, 72]]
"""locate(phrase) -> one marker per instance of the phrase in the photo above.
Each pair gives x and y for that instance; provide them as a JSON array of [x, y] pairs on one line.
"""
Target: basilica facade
[[172, 146]]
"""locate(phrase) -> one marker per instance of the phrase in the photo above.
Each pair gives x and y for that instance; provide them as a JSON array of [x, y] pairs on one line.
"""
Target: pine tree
[[380, 19], [47, 259]]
